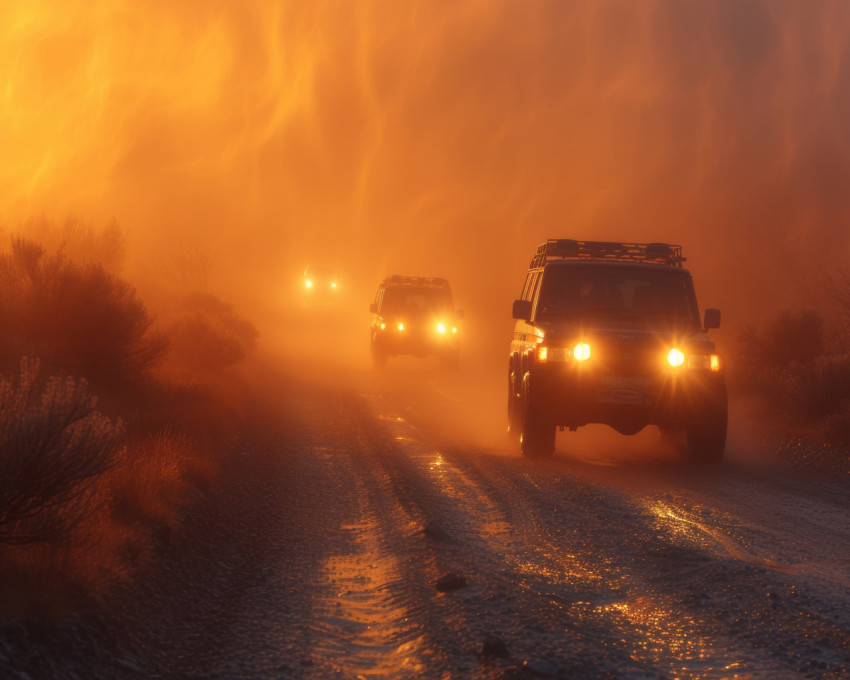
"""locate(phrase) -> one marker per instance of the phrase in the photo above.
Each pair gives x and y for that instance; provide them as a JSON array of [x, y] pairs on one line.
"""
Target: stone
[[494, 646], [449, 582]]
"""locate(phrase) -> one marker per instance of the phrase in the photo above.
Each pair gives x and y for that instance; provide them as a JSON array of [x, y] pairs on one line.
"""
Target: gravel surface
[[377, 525]]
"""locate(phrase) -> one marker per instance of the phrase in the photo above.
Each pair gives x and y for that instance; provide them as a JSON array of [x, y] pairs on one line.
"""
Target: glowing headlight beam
[[441, 328], [581, 352], [675, 357]]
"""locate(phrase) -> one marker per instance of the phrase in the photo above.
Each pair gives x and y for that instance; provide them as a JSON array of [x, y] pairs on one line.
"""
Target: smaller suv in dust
[[320, 284], [414, 315], [610, 332]]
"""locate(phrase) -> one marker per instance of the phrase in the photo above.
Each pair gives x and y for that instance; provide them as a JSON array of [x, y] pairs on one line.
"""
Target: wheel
[[706, 437], [514, 408], [537, 433]]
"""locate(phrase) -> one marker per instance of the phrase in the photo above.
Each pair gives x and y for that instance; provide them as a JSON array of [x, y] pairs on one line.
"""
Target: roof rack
[[398, 280], [570, 249]]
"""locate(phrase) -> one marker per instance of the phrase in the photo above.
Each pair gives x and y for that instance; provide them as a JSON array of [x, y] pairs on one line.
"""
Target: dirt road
[[613, 559]]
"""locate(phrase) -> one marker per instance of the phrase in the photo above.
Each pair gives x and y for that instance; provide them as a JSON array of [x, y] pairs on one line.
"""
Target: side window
[[538, 280], [525, 286], [535, 284], [531, 284], [379, 299]]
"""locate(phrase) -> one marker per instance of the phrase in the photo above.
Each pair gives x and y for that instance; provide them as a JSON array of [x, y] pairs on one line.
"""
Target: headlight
[[333, 285], [383, 325], [441, 328], [581, 352], [308, 283], [675, 357], [400, 326]]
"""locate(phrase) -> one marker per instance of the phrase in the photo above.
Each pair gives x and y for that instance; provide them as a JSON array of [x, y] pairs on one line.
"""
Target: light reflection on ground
[[365, 631], [635, 620]]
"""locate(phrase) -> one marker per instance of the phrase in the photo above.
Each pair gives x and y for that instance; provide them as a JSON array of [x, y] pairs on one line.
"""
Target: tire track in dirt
[[653, 625]]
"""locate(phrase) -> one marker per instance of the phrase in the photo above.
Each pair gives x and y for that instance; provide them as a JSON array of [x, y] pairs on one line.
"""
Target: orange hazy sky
[[419, 137]]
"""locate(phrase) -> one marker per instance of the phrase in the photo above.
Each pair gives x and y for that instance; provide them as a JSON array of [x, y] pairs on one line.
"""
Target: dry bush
[[80, 241], [799, 365], [208, 336], [134, 508], [80, 319], [790, 336], [73, 571], [82, 504], [53, 448]]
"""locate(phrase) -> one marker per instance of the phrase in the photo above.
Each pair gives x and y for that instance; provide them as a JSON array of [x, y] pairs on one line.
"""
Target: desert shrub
[[836, 426], [798, 366], [208, 336], [152, 482], [54, 445], [82, 504], [791, 336], [81, 242], [815, 388], [80, 319]]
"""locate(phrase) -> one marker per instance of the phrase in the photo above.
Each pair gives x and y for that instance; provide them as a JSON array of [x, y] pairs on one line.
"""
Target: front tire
[[514, 407], [537, 434]]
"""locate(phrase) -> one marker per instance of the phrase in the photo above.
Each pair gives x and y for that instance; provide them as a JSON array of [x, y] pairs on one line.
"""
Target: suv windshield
[[655, 296], [415, 301]]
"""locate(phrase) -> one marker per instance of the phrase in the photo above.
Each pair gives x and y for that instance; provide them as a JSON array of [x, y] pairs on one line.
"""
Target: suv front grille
[[628, 358]]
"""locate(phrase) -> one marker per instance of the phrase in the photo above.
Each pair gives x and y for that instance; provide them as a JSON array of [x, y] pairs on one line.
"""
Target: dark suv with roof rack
[[414, 315], [610, 333]]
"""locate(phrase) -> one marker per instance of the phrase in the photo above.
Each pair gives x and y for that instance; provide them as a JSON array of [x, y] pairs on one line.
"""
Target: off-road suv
[[414, 315], [611, 333]]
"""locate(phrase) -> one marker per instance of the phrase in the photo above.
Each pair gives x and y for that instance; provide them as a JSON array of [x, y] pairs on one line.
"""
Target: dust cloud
[[251, 139]]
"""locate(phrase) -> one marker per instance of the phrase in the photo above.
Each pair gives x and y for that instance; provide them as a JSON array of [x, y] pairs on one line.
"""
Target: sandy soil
[[350, 496]]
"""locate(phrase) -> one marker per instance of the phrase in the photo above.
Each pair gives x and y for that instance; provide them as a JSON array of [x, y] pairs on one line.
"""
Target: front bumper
[[670, 399], [396, 343]]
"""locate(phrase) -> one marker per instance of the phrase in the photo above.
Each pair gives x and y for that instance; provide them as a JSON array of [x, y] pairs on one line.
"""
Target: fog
[[434, 138]]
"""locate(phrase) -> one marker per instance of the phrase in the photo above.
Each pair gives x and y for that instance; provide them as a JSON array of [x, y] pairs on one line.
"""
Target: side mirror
[[522, 309], [712, 319], [373, 308], [459, 314]]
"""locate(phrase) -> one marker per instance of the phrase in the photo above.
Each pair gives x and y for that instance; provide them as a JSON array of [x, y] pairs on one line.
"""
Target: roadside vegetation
[[798, 365], [112, 419]]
